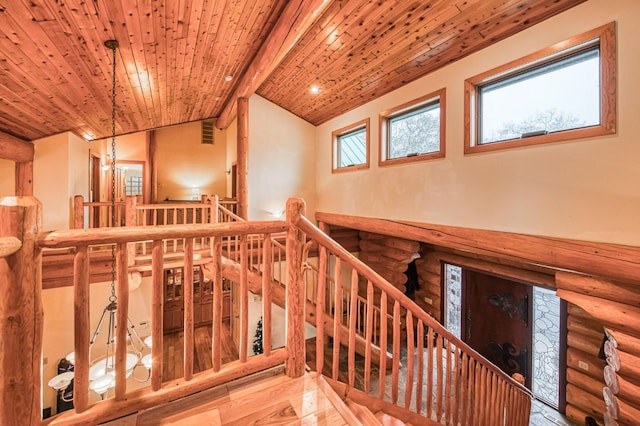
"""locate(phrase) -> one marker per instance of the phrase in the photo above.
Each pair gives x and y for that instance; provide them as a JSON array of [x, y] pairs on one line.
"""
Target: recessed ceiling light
[[314, 90], [228, 78], [218, 98]]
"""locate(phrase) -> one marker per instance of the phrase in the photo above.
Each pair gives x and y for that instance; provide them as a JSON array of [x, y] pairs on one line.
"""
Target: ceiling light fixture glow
[[314, 90]]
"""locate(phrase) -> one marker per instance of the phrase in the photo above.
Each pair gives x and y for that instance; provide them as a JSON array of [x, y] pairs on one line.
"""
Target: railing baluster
[[157, 312], [484, 397], [420, 381], [244, 299], [383, 345], [448, 371], [122, 315], [460, 384], [188, 308], [216, 326], [320, 308], [429, 372], [395, 351], [439, 378], [81, 326], [353, 316], [267, 277], [410, 352], [369, 337], [337, 319]]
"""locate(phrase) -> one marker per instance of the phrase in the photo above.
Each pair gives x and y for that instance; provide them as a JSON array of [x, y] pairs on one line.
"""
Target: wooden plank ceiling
[[175, 56]]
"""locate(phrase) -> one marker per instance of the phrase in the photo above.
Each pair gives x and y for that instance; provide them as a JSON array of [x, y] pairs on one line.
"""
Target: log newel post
[[21, 314], [215, 212], [78, 212], [295, 297]]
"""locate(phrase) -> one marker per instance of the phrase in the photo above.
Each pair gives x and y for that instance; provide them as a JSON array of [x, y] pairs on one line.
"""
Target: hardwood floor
[[173, 361], [266, 398]]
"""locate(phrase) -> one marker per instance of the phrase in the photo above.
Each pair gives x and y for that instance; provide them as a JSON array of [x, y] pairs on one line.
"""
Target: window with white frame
[[351, 147], [413, 131], [564, 92]]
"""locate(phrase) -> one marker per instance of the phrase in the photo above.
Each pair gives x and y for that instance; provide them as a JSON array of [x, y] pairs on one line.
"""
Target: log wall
[[585, 379], [602, 279]]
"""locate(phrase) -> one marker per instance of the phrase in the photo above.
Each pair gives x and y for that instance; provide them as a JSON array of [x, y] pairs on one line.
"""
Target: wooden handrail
[[9, 245], [74, 237]]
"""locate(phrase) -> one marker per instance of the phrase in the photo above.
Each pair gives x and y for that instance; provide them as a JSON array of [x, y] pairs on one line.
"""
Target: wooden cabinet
[[202, 299]]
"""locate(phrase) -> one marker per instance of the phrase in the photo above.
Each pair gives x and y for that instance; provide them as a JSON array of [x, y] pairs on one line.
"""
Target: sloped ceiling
[[181, 61]]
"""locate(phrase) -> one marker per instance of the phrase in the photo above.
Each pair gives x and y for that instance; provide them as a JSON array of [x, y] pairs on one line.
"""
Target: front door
[[497, 321]]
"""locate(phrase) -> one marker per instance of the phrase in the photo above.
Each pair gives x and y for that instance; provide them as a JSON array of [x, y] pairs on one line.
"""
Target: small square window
[[413, 131], [564, 92], [351, 147]]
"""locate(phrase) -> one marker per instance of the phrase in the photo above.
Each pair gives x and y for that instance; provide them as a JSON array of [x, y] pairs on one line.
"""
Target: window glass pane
[[560, 95], [352, 148], [546, 345], [453, 302], [416, 132]]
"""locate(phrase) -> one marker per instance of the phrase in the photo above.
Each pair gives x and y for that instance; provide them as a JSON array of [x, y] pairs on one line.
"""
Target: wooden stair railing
[[444, 381], [125, 402]]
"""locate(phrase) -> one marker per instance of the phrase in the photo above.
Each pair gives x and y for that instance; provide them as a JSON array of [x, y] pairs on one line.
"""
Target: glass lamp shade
[[61, 381], [106, 365], [102, 383], [71, 357], [147, 360], [148, 341]]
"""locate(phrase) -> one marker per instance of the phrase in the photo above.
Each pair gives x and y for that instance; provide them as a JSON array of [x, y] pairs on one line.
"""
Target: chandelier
[[102, 369]]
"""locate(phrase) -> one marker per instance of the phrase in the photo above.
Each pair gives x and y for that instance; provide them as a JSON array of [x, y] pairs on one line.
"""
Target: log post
[[214, 203], [78, 212], [295, 298], [243, 157], [130, 210], [24, 179], [21, 313]]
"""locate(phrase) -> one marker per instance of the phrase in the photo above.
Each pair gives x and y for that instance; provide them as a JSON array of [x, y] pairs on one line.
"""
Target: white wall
[[586, 189], [281, 159], [8, 180], [184, 163], [60, 171]]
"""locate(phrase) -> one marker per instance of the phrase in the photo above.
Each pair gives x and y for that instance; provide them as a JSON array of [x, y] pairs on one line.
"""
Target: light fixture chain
[[113, 47]]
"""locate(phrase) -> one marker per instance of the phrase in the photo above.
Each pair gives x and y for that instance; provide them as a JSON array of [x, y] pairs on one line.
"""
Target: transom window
[[413, 131], [564, 92], [351, 147]]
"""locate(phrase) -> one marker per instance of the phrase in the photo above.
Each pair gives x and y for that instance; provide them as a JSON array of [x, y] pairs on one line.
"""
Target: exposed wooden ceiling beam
[[15, 149], [295, 20]]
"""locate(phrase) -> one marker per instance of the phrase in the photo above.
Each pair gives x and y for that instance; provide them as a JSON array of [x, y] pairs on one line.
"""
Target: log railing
[[444, 380], [123, 401]]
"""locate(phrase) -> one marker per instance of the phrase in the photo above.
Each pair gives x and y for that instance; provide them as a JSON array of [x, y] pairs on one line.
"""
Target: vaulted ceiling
[[182, 60]]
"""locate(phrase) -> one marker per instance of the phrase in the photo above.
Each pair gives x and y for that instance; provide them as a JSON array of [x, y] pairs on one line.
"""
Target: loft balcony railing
[[443, 381]]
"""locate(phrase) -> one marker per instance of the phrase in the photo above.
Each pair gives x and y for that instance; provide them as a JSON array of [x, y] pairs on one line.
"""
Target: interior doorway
[[518, 326]]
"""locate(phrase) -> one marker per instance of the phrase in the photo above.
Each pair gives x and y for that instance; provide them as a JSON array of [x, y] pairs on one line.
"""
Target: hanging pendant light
[[102, 370]]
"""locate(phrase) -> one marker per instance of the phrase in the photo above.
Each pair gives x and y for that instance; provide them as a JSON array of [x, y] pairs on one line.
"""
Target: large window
[[351, 147], [413, 131], [564, 92]]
